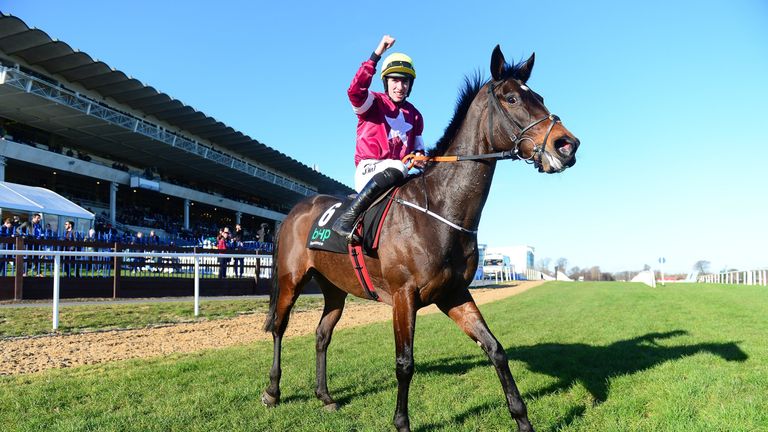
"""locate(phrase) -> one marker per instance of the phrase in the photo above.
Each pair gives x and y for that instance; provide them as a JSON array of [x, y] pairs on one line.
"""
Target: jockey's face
[[397, 88]]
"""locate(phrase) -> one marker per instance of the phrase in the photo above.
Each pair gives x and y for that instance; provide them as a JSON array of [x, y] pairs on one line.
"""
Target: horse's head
[[518, 121]]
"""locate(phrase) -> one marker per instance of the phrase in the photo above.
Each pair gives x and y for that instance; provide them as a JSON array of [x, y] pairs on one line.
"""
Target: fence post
[[56, 290], [197, 283], [18, 280], [117, 264]]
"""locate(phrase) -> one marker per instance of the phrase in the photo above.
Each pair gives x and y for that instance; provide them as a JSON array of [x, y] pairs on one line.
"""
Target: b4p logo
[[321, 234]]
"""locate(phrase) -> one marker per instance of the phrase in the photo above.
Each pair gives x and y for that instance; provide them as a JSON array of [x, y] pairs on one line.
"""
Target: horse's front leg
[[463, 310], [404, 324]]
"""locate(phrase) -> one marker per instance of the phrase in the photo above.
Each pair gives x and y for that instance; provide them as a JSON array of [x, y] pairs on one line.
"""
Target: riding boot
[[378, 184]]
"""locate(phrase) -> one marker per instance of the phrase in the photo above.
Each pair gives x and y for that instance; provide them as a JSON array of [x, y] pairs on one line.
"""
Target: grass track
[[586, 356]]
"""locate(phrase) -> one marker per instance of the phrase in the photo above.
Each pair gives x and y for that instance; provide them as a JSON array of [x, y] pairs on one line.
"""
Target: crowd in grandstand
[[104, 232]]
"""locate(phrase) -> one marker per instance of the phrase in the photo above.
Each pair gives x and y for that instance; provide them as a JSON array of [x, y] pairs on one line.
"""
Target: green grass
[[586, 356], [36, 320]]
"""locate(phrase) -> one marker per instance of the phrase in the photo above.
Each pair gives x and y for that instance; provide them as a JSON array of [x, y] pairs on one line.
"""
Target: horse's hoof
[[268, 400], [331, 407]]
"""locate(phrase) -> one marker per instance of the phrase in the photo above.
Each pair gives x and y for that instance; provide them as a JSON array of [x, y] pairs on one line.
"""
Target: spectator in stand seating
[[221, 244], [153, 239], [237, 242], [111, 233], [48, 232]]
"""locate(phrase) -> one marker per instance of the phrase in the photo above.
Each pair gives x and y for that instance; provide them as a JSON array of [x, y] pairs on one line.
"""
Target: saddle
[[368, 226]]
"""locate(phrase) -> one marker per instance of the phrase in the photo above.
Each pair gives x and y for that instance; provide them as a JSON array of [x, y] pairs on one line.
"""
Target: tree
[[543, 265], [595, 273], [702, 266], [562, 263], [574, 272]]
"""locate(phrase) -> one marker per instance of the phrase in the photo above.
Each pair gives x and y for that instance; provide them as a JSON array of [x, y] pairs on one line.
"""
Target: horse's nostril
[[565, 146]]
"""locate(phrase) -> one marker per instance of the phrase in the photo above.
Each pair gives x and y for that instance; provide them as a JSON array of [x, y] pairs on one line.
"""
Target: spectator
[[7, 228], [138, 262], [31, 227], [153, 239], [5, 231], [263, 233], [70, 235], [237, 243], [221, 245]]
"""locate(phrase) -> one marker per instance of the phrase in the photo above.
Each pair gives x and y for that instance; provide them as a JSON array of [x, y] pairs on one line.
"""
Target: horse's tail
[[269, 324]]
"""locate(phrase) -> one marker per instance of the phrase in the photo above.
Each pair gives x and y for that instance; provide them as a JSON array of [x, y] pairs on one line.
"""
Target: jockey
[[388, 129]]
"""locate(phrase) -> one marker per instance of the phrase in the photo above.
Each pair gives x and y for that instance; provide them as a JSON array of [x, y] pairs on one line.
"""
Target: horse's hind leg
[[463, 310], [334, 306], [289, 289]]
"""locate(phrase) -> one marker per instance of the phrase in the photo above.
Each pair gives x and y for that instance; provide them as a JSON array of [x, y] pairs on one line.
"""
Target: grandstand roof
[[58, 59]]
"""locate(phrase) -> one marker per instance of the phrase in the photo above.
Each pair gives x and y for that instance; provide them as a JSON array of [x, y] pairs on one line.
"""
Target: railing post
[[56, 290], [197, 283], [18, 280], [117, 264]]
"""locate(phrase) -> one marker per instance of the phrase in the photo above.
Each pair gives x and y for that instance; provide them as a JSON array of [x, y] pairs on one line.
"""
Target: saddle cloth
[[322, 237]]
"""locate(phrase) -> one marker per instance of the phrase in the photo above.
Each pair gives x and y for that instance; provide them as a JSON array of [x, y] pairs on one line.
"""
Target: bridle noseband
[[517, 135]]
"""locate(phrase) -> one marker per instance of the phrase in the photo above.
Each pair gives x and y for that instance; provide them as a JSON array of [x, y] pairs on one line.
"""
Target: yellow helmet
[[398, 64]]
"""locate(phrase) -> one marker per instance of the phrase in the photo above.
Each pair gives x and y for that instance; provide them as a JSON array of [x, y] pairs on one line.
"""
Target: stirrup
[[352, 237]]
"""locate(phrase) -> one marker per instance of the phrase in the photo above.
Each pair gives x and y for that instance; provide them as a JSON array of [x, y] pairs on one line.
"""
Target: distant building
[[521, 257]]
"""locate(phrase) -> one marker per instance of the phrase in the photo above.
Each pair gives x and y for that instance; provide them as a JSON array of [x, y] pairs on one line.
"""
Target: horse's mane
[[472, 85]]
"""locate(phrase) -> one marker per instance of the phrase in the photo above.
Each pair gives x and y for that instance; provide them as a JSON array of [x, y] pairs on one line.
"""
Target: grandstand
[[135, 157]]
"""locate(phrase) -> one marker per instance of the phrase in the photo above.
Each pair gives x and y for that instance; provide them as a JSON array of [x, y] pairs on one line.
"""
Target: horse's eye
[[511, 99]]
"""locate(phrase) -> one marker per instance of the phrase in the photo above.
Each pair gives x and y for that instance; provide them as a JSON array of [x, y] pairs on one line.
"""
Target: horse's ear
[[498, 64], [527, 68]]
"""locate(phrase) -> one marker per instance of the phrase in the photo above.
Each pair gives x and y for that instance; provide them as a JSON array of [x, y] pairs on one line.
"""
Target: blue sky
[[667, 98]]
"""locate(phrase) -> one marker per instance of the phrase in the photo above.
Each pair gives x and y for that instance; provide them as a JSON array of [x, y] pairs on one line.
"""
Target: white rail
[[57, 267], [748, 277]]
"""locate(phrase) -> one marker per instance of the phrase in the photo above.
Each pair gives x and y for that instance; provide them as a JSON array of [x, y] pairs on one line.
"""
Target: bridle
[[517, 135]]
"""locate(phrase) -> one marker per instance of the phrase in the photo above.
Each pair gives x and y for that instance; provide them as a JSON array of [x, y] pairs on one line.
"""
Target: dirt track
[[19, 356]]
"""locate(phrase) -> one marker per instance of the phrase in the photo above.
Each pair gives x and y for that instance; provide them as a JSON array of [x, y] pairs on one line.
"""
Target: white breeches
[[367, 168]]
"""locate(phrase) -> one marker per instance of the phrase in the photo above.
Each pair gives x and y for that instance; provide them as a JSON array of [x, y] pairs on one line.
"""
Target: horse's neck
[[459, 189]]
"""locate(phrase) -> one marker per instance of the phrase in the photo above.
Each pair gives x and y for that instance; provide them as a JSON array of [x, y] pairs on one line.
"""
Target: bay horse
[[426, 258]]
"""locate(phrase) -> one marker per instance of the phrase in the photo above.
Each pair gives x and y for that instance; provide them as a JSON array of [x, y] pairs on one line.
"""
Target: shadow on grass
[[592, 366]]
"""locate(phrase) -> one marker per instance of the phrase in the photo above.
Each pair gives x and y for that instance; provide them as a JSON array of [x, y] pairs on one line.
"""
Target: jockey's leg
[[378, 184]]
